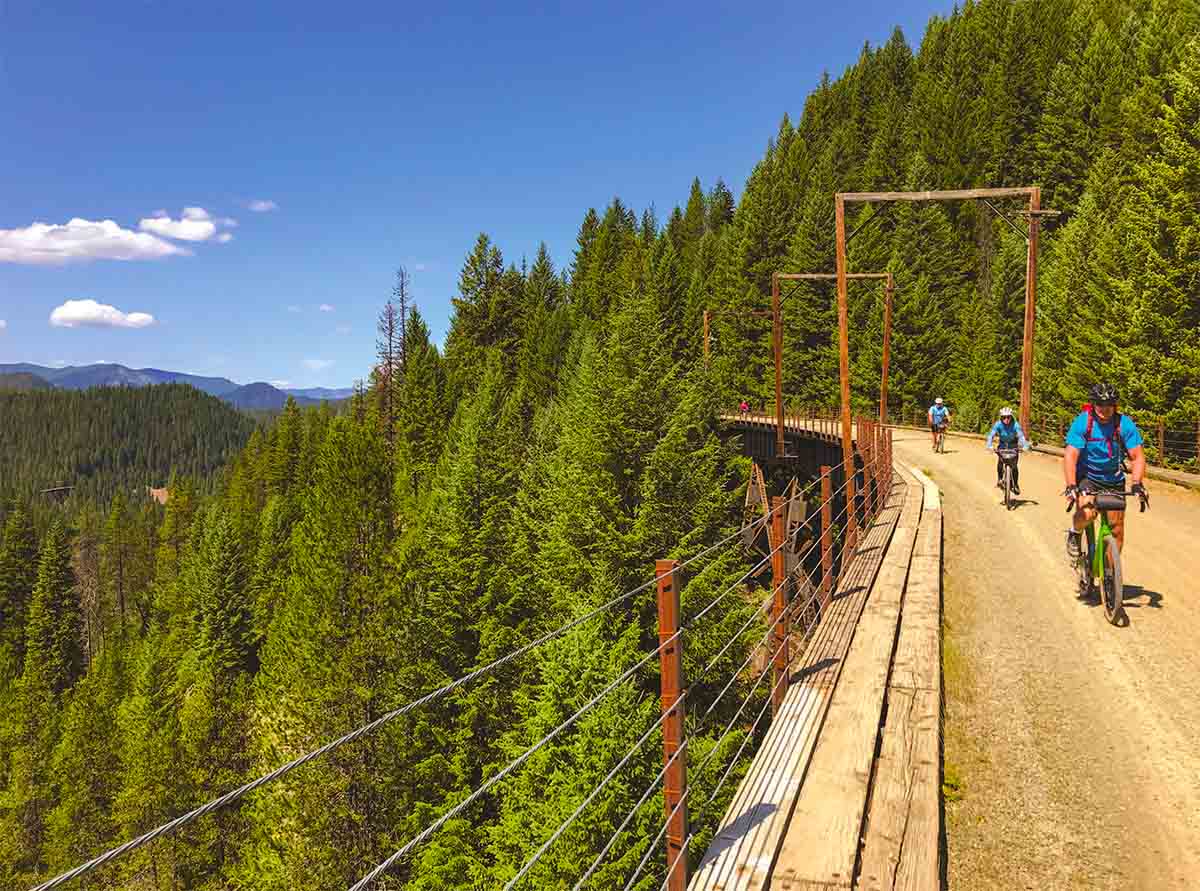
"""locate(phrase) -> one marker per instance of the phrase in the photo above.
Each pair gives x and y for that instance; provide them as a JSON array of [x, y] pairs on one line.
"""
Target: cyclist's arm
[[1021, 436], [1070, 464], [991, 436], [1137, 464]]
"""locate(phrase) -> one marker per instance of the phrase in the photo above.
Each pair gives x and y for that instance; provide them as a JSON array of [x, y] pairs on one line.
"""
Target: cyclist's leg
[[999, 469], [1084, 512], [1016, 471], [1116, 521]]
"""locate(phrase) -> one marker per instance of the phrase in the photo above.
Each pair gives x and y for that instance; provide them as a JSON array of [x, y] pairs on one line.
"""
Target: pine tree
[[18, 573]]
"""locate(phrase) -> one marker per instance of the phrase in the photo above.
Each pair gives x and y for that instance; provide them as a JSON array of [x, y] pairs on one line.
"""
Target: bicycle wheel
[[1113, 592], [1083, 564], [1007, 487]]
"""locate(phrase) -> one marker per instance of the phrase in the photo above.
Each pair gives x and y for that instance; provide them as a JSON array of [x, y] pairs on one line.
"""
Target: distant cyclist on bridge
[[939, 418], [1008, 434], [1098, 442]]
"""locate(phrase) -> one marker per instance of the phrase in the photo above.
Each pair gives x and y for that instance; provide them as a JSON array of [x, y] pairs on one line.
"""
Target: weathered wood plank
[[741, 855], [821, 844], [901, 836], [900, 847]]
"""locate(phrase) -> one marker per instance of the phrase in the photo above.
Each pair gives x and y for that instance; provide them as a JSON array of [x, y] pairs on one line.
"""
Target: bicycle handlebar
[[1143, 499]]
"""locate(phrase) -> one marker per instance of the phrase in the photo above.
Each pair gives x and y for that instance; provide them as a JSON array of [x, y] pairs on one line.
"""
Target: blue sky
[[308, 149]]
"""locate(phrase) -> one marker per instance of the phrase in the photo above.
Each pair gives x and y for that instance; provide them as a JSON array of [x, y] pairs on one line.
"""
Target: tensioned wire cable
[[440, 692], [385, 865], [792, 608], [838, 631]]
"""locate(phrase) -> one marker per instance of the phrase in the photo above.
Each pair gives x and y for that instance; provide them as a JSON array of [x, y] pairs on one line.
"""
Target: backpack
[[1115, 434]]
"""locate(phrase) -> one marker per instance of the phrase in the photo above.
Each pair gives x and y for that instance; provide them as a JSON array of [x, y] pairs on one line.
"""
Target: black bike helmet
[[1104, 394]]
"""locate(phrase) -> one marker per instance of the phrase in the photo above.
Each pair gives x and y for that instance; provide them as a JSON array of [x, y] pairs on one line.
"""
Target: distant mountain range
[[251, 396]]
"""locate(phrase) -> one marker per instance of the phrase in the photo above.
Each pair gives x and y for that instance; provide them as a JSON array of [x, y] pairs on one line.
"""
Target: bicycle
[[1100, 565], [1009, 457], [939, 444]]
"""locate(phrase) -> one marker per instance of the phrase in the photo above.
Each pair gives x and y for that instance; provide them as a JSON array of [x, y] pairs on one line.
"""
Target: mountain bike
[[1099, 565], [1009, 457], [939, 444]]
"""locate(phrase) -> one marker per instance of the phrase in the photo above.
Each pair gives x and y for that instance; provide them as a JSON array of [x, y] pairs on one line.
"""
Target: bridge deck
[[816, 791]]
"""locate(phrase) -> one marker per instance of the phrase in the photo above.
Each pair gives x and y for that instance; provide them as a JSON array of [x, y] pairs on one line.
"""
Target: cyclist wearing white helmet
[[1008, 434], [939, 418]]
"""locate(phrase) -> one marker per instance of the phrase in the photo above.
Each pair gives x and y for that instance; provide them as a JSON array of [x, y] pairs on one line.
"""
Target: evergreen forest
[[476, 495]]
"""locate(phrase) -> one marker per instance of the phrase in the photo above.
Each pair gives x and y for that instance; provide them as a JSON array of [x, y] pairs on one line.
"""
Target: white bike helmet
[[1006, 412], [938, 401]]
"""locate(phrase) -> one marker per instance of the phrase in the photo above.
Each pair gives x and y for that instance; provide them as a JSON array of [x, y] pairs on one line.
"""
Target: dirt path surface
[[1076, 744]]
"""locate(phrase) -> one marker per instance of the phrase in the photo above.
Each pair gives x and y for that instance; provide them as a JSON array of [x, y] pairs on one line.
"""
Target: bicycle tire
[[1113, 591], [1007, 487], [1084, 564]]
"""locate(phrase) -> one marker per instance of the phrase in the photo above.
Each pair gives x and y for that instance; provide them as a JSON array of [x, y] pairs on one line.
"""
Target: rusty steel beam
[[889, 290], [671, 665], [936, 195], [826, 535], [778, 605], [844, 360], [777, 337], [1035, 204], [828, 276]]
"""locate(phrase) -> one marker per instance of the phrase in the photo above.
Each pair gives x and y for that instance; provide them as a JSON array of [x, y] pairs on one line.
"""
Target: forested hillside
[[474, 498], [113, 439]]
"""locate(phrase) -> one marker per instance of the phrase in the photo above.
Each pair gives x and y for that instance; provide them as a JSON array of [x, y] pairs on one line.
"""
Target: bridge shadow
[[737, 830], [809, 670]]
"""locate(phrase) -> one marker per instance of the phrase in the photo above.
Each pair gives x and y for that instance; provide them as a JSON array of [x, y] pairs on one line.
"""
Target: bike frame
[[1096, 541]]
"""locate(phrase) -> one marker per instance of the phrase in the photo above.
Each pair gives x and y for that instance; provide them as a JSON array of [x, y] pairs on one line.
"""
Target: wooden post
[[889, 287], [706, 338], [844, 358], [671, 664], [826, 534], [1035, 204], [1162, 444], [779, 605], [777, 339]]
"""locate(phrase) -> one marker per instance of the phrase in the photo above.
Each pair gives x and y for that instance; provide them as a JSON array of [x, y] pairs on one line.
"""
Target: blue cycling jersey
[[939, 413], [1009, 436], [1100, 453]]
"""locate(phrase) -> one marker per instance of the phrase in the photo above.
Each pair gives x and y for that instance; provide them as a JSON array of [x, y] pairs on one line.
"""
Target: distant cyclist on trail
[[1097, 443], [1009, 434], [939, 418]]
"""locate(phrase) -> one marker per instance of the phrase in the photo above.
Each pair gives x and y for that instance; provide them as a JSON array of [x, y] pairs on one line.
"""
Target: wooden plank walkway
[[743, 851], [821, 845], [901, 844], [845, 790]]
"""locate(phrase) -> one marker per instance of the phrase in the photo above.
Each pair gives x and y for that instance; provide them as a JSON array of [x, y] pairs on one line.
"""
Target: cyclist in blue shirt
[[939, 418], [1097, 443], [1007, 431]]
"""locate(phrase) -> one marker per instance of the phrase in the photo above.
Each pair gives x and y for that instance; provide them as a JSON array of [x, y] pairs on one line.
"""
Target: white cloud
[[225, 238], [228, 222], [77, 313], [325, 307], [195, 225], [3, 324], [261, 205], [80, 240], [317, 364], [280, 385]]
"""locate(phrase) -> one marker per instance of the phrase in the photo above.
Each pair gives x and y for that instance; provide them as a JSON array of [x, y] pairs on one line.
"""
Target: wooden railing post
[[826, 534], [671, 664], [1162, 444], [780, 640]]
